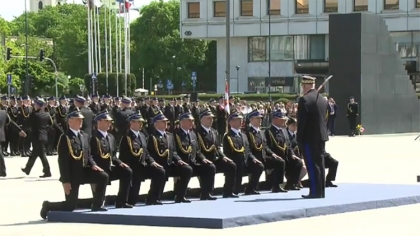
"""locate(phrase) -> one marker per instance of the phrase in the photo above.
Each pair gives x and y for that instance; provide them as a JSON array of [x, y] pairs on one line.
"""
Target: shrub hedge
[[249, 97]]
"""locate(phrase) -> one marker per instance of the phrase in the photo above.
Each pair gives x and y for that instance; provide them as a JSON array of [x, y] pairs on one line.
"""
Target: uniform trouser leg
[[278, 166], [100, 179], [314, 161], [124, 175], [38, 151], [229, 170], [157, 179], [207, 172], [184, 172], [331, 164], [255, 170], [352, 123], [294, 170], [51, 141], [27, 142], [2, 164], [14, 142]]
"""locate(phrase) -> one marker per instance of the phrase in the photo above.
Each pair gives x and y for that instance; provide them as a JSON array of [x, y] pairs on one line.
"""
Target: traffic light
[[41, 55], [8, 53]]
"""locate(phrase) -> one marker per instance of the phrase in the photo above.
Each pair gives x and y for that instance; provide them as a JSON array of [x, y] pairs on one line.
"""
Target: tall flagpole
[[110, 39], [95, 39], [125, 49], [91, 38], [128, 44], [88, 38], [117, 52], [106, 46], [98, 20]]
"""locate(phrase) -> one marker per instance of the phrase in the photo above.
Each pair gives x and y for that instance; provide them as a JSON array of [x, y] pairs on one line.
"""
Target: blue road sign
[[12, 90], [183, 84], [193, 76], [169, 84], [160, 81], [93, 76], [9, 79]]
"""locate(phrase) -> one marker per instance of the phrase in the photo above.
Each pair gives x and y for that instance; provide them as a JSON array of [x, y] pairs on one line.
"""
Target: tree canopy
[[156, 47]]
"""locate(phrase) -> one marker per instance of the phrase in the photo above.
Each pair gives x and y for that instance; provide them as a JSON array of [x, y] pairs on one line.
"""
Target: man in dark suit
[[41, 122], [120, 118], [352, 114], [169, 112], [79, 104], [5, 120], [104, 152], [133, 151], [190, 152], [161, 146], [236, 147], [76, 167], [312, 134], [208, 139], [332, 114]]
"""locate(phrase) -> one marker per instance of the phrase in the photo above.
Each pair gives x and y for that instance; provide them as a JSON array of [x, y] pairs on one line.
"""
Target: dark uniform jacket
[[187, 147], [40, 122], [311, 117], [236, 147], [61, 112], [5, 121], [353, 109], [162, 148], [104, 150], [209, 143], [133, 150], [95, 108], [277, 142], [258, 144], [23, 116], [87, 125], [120, 119], [13, 112], [74, 156]]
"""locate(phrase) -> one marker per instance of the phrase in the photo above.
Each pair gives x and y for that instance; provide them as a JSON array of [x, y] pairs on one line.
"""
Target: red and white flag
[[226, 101]]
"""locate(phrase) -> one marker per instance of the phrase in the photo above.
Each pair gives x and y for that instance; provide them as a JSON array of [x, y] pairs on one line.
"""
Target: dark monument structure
[[366, 65]]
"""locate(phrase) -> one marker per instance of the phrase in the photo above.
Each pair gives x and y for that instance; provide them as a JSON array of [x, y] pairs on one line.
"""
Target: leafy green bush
[[248, 97]]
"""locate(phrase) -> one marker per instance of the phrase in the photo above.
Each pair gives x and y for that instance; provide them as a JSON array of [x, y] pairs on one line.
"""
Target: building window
[[418, 4], [193, 10], [317, 47], [273, 7], [330, 6], [407, 44], [281, 48], [247, 7], [391, 5], [302, 7], [301, 47], [360, 5], [40, 5], [257, 48], [219, 9]]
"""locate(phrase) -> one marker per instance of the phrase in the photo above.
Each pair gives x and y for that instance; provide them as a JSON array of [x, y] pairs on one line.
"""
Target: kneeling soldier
[[133, 151], [77, 167], [277, 142], [208, 139], [104, 152], [263, 153], [236, 146], [189, 150], [161, 146]]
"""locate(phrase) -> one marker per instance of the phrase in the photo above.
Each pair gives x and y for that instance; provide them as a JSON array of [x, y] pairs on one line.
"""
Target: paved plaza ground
[[363, 159]]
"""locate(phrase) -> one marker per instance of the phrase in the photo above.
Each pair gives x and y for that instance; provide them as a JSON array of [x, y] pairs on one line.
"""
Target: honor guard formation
[[99, 140]]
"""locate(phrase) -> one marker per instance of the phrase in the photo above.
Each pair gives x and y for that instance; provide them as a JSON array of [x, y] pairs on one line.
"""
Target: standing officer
[[236, 147], [79, 104], [161, 146], [178, 107], [209, 145], [94, 106], [51, 110], [12, 111], [190, 152], [221, 116], [23, 120], [77, 167], [4, 106], [312, 134], [104, 152], [133, 151], [61, 113], [40, 122], [121, 115], [169, 112], [262, 152], [352, 114]]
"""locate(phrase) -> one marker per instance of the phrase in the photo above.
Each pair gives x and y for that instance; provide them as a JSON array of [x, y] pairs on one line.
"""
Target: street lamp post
[[26, 50], [237, 78], [269, 49]]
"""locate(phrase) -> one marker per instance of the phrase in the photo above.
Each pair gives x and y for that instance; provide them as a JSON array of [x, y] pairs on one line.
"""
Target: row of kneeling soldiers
[[182, 154]]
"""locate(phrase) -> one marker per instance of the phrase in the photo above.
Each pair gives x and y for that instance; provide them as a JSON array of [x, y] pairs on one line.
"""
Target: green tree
[[155, 40], [74, 86]]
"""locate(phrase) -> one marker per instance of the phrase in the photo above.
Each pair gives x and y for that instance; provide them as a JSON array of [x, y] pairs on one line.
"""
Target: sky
[[11, 9]]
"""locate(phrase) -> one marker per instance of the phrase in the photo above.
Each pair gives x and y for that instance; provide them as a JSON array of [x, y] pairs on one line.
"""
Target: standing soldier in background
[[94, 106], [121, 123], [23, 120], [169, 112], [51, 110], [40, 121], [12, 111], [106, 105], [61, 113], [213, 110], [79, 105], [352, 114], [5, 144], [178, 107], [221, 115]]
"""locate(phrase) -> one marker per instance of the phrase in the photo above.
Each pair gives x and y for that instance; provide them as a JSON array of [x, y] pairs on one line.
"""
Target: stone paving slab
[[393, 159]]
